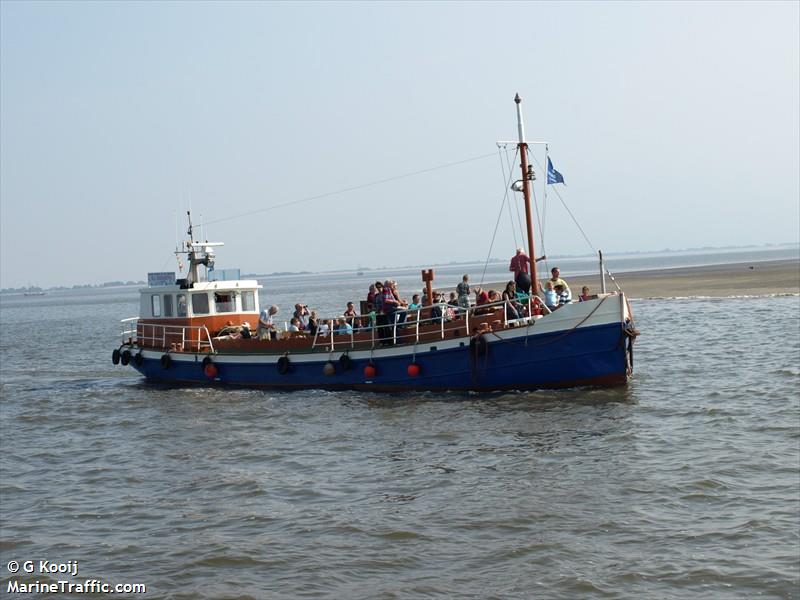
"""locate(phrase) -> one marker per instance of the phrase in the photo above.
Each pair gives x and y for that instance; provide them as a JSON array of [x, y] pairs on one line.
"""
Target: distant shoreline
[[768, 277], [717, 281]]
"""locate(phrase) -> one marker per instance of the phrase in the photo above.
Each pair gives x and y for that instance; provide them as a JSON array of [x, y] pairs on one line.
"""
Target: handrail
[[161, 333], [394, 330]]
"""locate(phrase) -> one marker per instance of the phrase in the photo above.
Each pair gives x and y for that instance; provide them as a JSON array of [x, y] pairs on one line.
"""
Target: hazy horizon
[[674, 126], [390, 269]]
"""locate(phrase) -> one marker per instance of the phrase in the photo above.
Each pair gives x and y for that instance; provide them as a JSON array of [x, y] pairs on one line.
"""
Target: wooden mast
[[526, 192]]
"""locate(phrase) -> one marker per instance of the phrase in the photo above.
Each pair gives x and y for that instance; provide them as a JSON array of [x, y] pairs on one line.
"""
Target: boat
[[198, 330]]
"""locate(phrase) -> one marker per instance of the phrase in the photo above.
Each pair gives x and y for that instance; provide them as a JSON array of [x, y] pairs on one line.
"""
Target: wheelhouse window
[[248, 301], [223, 302], [200, 304], [167, 305], [155, 305], [181, 305]]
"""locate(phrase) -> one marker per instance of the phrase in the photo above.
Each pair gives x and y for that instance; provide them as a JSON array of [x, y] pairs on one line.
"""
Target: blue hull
[[594, 355]]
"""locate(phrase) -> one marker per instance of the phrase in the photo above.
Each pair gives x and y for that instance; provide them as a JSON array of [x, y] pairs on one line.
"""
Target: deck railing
[[167, 337], [405, 324], [403, 327]]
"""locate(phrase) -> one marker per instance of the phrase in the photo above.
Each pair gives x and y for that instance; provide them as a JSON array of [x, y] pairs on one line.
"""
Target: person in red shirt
[[521, 266]]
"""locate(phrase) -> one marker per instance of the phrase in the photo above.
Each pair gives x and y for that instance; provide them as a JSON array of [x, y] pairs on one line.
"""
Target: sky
[[675, 125]]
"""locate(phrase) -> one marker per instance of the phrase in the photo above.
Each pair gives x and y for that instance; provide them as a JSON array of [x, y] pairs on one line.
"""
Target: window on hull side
[[248, 301], [181, 305], [223, 302], [155, 305], [167, 305], [200, 304]]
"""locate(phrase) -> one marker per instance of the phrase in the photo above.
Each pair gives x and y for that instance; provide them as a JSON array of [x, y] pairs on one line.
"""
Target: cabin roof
[[206, 286]]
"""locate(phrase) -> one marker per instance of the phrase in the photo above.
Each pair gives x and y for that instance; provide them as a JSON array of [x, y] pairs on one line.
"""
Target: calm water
[[685, 484]]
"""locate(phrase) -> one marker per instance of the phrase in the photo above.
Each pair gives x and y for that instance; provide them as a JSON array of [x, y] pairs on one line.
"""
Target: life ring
[[166, 361], [115, 356], [283, 365], [138, 359], [345, 362], [125, 357]]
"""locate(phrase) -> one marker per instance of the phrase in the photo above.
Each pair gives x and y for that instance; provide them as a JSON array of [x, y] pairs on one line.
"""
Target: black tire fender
[[115, 356], [345, 362], [283, 365], [166, 361], [125, 357]]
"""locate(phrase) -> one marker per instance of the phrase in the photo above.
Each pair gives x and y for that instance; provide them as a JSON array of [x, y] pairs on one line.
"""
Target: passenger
[[350, 314], [494, 296], [294, 325], [584, 294], [313, 323], [371, 297], [563, 296], [514, 309], [556, 280], [436, 306], [550, 296], [393, 305], [245, 332], [377, 299], [380, 317], [344, 327], [521, 266], [481, 297], [462, 289], [301, 314], [229, 329], [266, 323], [415, 303], [454, 299], [325, 328]]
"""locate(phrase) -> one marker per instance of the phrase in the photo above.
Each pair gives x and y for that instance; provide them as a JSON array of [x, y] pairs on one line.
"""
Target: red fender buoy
[[413, 370], [370, 371], [211, 370]]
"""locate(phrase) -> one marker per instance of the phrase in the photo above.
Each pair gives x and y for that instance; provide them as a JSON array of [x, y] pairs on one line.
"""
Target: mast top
[[520, 125]]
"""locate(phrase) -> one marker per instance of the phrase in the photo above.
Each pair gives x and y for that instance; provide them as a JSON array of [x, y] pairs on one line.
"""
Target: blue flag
[[553, 176]]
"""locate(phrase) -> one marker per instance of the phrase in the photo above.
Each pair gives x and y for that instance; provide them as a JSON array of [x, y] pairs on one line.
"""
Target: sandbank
[[716, 281]]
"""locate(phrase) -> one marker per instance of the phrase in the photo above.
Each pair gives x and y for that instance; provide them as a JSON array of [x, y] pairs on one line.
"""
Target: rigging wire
[[516, 201], [574, 220], [497, 224], [522, 234], [349, 189], [505, 189]]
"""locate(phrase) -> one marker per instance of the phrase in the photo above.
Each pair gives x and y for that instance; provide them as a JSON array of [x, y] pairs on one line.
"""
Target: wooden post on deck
[[427, 278]]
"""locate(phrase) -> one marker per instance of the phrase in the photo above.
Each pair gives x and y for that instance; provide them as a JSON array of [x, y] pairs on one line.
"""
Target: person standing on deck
[[556, 280], [266, 323], [462, 289], [521, 266]]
